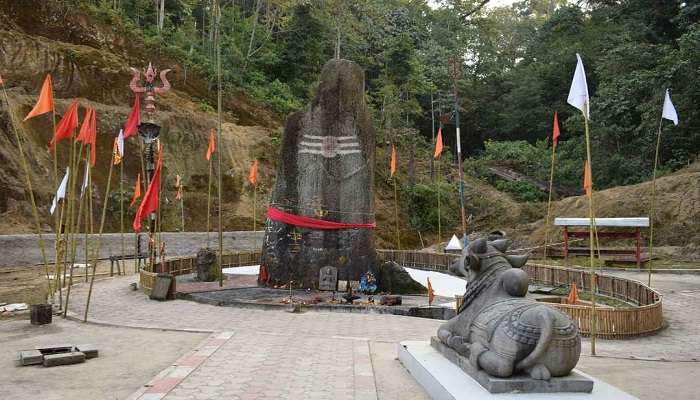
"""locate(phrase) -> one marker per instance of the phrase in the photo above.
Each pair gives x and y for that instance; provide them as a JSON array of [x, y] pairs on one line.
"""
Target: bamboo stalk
[[591, 217], [652, 211], [437, 184], [96, 254], [549, 202], [396, 215], [121, 207], [28, 182], [209, 204], [219, 134], [74, 240]]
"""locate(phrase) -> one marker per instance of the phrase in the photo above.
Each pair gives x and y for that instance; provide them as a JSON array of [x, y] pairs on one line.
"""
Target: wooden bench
[[115, 259], [613, 228]]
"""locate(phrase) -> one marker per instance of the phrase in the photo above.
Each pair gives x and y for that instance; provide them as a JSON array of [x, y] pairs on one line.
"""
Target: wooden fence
[[644, 316], [186, 265]]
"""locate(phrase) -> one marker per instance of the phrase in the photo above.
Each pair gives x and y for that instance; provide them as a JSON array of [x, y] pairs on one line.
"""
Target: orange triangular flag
[[253, 174], [555, 130], [212, 145], [573, 294], [137, 191], [438, 144], [431, 293], [587, 178], [45, 102], [392, 166], [151, 199]]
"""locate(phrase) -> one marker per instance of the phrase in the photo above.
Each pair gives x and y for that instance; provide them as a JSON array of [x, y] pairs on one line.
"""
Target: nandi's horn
[[501, 244], [479, 246], [517, 261]]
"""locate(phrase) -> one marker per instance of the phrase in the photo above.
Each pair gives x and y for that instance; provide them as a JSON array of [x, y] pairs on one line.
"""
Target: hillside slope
[[677, 221], [89, 59]]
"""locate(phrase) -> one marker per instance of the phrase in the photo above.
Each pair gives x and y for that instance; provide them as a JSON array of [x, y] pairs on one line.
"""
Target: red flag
[[263, 274], [587, 178], [150, 199], [392, 165], [137, 191], [431, 293], [253, 174], [88, 133], [555, 130], [132, 124], [438, 144], [45, 102], [211, 148], [573, 294], [66, 126]]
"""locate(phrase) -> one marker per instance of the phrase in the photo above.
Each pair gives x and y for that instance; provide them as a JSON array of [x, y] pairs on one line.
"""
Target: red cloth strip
[[312, 223]]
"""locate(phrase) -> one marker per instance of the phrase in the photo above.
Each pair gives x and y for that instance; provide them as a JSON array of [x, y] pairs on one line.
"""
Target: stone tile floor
[[276, 354]]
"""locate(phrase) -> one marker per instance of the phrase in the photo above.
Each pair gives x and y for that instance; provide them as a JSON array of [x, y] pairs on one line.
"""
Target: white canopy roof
[[454, 244], [621, 222]]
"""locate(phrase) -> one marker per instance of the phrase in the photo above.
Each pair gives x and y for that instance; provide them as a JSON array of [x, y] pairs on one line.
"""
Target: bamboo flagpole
[[74, 250], [120, 160], [392, 172], [555, 141], [211, 149], [28, 183], [96, 252], [578, 97], [436, 156], [219, 134], [669, 113], [253, 180]]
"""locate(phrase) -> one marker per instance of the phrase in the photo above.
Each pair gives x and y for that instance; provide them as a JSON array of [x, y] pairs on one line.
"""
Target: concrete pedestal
[[443, 380]]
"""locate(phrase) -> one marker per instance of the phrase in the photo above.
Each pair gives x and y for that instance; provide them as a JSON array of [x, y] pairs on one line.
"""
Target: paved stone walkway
[[328, 355]]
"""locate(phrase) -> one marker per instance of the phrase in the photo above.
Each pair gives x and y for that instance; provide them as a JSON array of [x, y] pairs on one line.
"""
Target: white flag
[[85, 178], [669, 111], [120, 143], [61, 192], [578, 94]]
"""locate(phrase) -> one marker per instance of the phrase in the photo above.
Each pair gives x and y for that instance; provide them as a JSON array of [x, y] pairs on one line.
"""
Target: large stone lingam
[[321, 211]]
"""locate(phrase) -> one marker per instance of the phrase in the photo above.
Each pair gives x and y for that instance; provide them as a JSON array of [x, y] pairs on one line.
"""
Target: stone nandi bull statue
[[500, 330]]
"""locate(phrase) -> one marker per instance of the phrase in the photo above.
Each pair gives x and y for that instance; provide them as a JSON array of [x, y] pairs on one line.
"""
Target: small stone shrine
[[328, 278], [322, 212]]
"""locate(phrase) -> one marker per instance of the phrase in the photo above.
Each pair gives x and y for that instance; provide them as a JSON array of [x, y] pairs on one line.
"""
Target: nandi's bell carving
[[499, 330]]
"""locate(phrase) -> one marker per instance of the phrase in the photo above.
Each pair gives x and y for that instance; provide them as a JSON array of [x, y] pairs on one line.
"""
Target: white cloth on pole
[[85, 178], [578, 94], [669, 111], [120, 143], [61, 192]]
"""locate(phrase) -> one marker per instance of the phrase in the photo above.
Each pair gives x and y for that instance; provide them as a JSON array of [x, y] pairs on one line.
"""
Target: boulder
[[393, 278], [206, 265]]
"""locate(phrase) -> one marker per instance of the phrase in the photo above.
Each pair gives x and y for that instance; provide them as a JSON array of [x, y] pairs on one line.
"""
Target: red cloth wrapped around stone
[[312, 223]]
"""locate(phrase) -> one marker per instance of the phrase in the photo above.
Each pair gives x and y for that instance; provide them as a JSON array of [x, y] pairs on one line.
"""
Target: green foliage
[[522, 191], [517, 64], [422, 205]]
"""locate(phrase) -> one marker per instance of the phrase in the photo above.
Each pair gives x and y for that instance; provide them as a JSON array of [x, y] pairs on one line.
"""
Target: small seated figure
[[368, 283]]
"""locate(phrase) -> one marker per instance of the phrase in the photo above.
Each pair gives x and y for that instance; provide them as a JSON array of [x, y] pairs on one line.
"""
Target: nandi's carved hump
[[498, 327]]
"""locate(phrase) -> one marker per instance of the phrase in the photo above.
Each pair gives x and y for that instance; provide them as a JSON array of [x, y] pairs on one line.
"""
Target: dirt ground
[[128, 358]]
